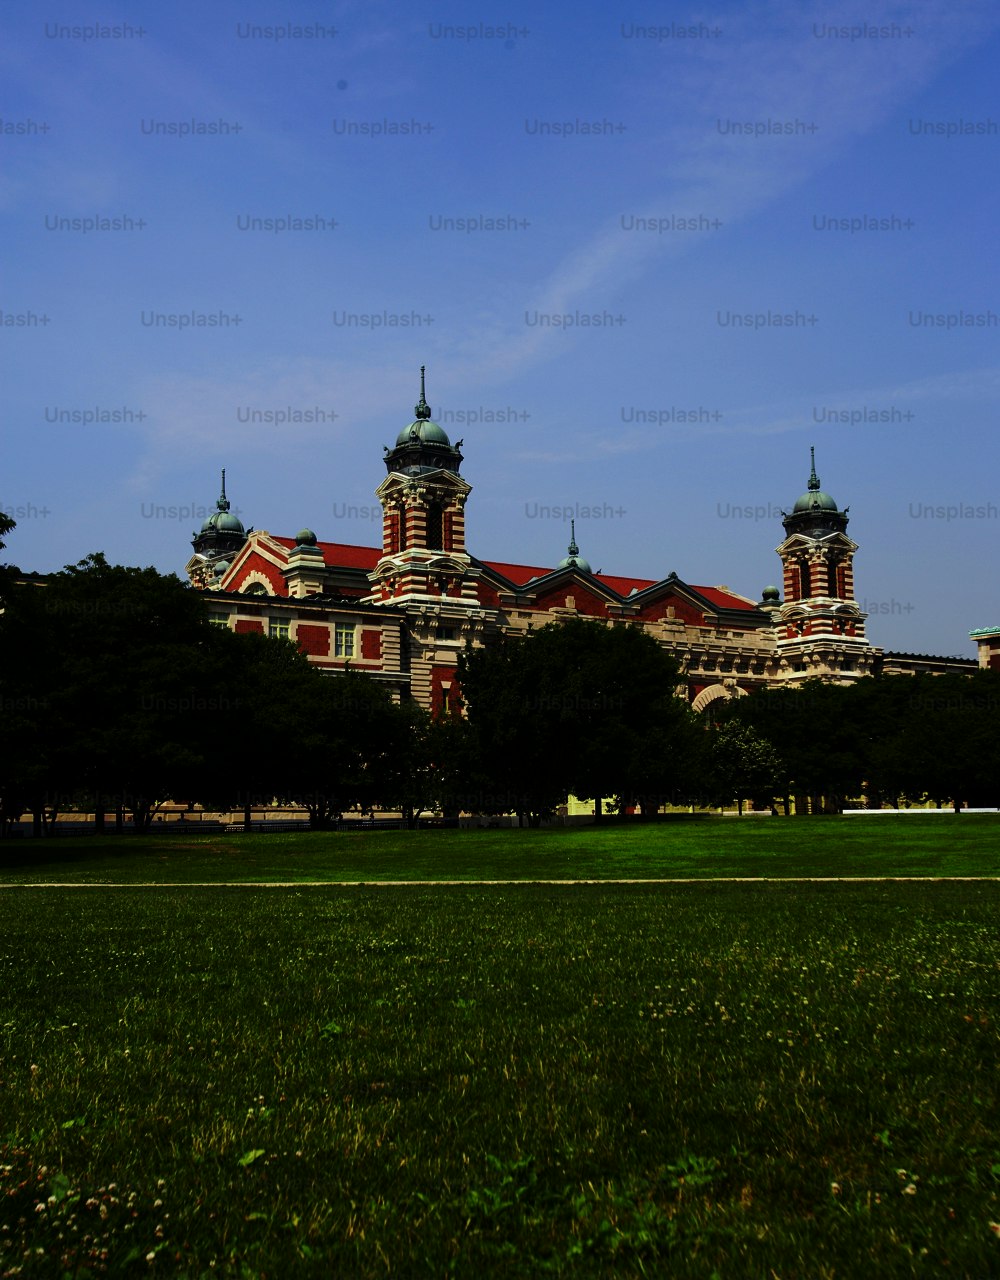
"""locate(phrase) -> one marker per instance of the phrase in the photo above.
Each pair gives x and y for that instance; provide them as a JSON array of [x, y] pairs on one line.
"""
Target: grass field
[[753, 1080], [946, 845]]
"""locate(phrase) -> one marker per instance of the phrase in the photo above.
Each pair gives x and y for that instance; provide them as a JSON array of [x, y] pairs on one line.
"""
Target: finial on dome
[[813, 477], [223, 503], [423, 409], [574, 560]]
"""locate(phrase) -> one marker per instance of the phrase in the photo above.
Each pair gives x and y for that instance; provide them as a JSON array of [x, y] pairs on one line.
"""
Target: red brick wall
[[371, 644], [446, 675], [585, 601], [249, 624], [313, 640], [683, 611], [257, 564]]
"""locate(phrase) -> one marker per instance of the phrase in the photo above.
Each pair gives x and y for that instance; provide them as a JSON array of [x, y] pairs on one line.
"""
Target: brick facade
[[414, 603]]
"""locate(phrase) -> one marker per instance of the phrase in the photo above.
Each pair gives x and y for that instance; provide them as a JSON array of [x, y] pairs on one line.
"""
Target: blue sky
[[487, 178]]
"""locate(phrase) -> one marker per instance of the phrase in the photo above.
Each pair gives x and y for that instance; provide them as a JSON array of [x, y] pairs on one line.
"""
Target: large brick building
[[403, 612]]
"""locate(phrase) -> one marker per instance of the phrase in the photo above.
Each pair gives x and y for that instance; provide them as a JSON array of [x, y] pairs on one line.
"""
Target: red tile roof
[[624, 585], [517, 573], [722, 598], [354, 557], [342, 554]]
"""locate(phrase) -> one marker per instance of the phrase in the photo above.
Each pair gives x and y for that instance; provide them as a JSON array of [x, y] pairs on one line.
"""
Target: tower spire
[[574, 560], [813, 477], [423, 409], [223, 503]]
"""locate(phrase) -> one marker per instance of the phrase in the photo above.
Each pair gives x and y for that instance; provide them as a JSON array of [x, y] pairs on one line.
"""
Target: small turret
[[223, 533], [574, 560]]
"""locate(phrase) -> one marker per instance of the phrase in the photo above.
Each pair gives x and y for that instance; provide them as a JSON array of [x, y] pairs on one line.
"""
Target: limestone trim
[[728, 690]]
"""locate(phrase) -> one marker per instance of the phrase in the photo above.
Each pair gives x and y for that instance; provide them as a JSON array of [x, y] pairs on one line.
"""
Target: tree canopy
[[119, 694], [576, 707]]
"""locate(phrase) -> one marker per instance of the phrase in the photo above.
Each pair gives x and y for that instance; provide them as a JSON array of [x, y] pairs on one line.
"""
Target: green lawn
[[780, 1080], [947, 845]]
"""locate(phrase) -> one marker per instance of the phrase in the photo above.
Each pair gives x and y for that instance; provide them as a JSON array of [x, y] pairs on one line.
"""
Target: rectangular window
[[277, 629], [343, 640], [218, 620]]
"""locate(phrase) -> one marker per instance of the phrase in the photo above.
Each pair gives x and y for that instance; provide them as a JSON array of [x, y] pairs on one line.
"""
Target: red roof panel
[[342, 554], [517, 573], [353, 557], [722, 598], [624, 585]]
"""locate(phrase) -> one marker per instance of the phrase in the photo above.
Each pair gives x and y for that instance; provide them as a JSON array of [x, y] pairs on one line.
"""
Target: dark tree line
[[117, 694], [891, 738]]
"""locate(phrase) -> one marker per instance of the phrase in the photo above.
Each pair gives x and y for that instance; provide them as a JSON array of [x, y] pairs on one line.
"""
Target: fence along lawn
[[740, 1080]]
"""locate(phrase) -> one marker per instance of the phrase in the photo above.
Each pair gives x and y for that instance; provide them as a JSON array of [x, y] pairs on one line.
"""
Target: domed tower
[[573, 559], [221, 536], [821, 630], [423, 516]]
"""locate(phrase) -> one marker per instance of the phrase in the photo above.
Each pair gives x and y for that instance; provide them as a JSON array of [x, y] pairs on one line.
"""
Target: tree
[[742, 766], [291, 734], [816, 734], [121, 687], [7, 572], [130, 667], [576, 707], [945, 740]]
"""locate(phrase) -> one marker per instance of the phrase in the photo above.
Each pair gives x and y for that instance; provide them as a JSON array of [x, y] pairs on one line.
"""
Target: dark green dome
[[222, 533], [423, 446], [305, 538], [222, 522], [813, 500], [770, 595], [574, 560], [423, 430]]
